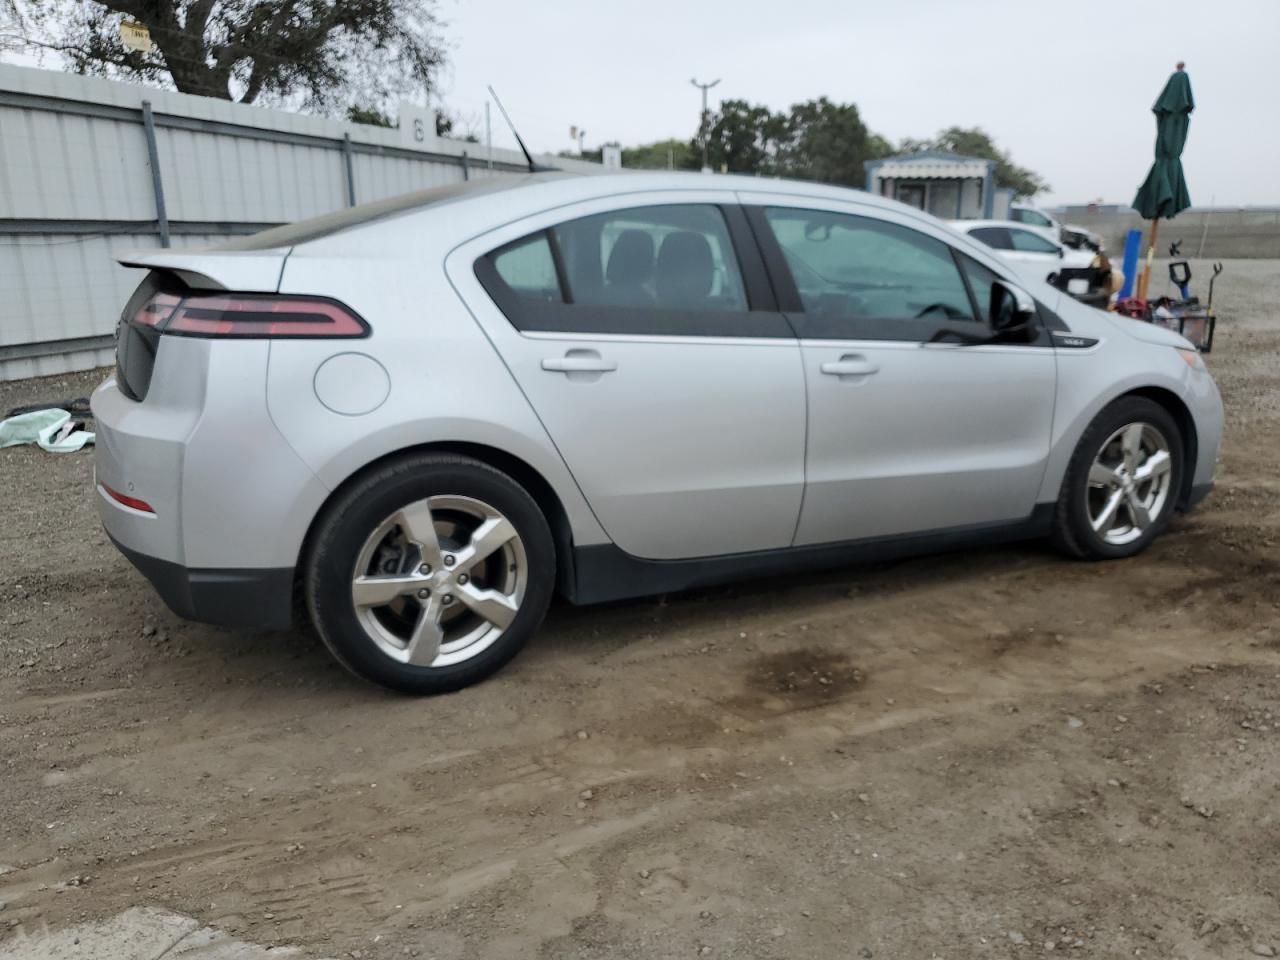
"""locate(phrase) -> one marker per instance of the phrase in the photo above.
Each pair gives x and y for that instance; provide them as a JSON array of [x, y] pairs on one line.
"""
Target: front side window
[[859, 276], [1029, 242], [676, 257], [981, 280]]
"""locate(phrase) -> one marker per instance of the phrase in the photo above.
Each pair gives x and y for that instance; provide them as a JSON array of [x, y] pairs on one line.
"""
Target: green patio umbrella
[[1164, 192]]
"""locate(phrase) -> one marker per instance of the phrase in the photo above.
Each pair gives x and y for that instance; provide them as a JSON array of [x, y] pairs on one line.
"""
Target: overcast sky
[[1066, 87]]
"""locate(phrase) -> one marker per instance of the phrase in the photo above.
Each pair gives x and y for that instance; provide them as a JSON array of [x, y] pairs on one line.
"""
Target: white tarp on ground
[[141, 933]]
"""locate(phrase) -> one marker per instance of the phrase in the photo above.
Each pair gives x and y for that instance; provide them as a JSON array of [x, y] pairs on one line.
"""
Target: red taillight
[[246, 315], [157, 310], [132, 503]]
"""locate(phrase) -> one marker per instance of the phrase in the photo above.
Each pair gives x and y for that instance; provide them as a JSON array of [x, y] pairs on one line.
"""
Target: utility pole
[[704, 126]]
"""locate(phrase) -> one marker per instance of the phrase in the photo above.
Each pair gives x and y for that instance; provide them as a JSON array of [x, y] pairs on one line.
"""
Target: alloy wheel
[[439, 581], [1129, 483]]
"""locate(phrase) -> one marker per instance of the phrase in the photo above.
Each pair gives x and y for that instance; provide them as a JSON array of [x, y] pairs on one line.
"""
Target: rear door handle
[[580, 365], [850, 365]]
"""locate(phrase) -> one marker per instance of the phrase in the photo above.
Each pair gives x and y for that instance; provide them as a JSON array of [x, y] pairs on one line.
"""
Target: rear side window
[[864, 277], [529, 269], [1030, 242], [663, 270], [995, 237], [676, 257], [1031, 217]]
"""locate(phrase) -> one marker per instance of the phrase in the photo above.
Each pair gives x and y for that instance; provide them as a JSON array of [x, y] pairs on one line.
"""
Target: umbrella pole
[[1151, 252]]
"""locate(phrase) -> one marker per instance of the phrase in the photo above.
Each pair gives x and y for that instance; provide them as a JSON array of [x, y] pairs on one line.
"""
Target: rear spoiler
[[256, 271]]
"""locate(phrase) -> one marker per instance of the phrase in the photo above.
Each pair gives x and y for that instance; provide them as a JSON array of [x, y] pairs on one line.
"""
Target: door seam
[[804, 460]]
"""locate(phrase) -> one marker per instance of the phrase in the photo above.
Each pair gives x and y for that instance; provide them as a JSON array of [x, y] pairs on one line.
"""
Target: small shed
[[946, 185]]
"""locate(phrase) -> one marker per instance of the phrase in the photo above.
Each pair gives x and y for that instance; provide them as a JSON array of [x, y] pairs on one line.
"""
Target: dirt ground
[[995, 753]]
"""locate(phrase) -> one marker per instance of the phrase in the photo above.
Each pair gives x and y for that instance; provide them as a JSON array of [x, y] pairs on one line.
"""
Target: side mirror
[[1012, 312], [1061, 253]]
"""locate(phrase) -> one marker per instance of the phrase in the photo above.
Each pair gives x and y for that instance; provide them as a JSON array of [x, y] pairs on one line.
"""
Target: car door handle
[[850, 365], [579, 361]]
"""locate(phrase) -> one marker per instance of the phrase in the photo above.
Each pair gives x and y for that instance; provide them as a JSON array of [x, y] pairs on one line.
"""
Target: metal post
[[351, 174], [488, 136], [1213, 200], [703, 126], [157, 184], [466, 166]]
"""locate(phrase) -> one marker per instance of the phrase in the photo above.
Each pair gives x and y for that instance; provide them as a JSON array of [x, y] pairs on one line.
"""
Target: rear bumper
[[259, 599]]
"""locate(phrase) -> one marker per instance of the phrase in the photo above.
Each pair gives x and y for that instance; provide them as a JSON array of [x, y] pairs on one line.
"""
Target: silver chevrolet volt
[[414, 421]]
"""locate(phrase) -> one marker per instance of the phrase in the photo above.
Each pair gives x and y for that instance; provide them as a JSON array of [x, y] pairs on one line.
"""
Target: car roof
[[514, 196], [967, 225]]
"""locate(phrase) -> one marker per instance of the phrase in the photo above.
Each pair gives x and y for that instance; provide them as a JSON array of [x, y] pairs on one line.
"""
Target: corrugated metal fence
[[91, 169]]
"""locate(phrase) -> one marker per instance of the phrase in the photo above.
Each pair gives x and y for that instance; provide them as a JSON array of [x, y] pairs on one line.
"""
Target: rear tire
[[429, 573], [1122, 483]]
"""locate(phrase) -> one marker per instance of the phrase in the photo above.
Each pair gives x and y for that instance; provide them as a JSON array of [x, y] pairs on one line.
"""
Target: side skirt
[[604, 572]]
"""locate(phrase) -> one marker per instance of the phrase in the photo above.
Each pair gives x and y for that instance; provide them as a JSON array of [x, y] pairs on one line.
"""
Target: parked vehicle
[[418, 419], [1032, 253], [1070, 235]]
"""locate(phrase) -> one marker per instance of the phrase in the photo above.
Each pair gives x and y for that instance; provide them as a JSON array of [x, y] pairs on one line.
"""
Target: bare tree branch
[[330, 54]]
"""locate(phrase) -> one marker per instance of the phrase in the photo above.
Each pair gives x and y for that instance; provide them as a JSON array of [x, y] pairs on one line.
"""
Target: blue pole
[[1132, 249]]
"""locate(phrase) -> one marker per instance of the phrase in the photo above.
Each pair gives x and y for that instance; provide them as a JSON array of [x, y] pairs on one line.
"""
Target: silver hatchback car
[[414, 421]]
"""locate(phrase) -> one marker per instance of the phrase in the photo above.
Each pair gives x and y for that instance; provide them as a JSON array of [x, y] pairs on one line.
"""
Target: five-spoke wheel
[[1129, 482], [430, 572], [1122, 483]]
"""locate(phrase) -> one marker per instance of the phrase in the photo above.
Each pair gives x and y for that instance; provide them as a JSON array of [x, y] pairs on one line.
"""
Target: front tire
[[1122, 484], [429, 573]]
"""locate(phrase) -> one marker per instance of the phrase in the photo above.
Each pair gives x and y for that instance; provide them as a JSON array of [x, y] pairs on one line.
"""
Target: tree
[[828, 142], [976, 142], [326, 53], [816, 140], [742, 138]]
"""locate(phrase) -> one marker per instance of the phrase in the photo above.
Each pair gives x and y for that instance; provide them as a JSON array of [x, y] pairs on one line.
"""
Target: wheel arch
[[538, 487], [1181, 414]]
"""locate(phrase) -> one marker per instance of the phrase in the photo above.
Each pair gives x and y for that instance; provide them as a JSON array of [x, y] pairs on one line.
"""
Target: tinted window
[[668, 270], [1030, 242], [994, 237], [848, 269], [529, 269], [655, 258]]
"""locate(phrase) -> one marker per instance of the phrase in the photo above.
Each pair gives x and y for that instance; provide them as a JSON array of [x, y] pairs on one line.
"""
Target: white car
[[1029, 251], [416, 420], [1075, 237]]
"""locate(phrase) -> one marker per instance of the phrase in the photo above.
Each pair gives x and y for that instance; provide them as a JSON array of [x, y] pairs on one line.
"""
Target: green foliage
[[369, 116], [742, 138], [976, 142], [664, 154], [326, 53], [816, 140], [828, 142], [660, 155]]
